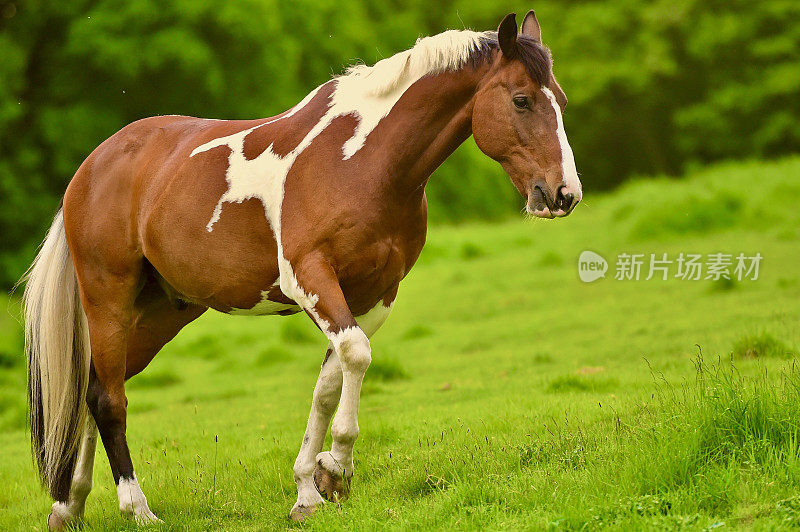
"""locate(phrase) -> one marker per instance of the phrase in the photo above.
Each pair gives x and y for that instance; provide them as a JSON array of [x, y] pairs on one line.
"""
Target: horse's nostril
[[563, 200], [539, 200]]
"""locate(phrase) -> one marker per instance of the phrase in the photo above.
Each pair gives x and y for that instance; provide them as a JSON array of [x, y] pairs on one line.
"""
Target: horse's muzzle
[[543, 205]]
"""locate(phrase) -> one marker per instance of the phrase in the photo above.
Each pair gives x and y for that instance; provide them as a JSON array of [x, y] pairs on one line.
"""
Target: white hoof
[[308, 500], [301, 511], [146, 517], [62, 516]]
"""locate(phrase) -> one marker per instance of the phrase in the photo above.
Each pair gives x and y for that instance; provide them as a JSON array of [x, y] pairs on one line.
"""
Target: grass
[[386, 369], [504, 392], [762, 345]]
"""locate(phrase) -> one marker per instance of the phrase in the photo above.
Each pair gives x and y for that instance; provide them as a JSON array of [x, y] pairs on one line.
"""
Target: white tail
[[57, 347]]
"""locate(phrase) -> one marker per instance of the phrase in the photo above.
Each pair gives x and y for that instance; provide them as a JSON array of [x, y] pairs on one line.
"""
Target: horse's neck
[[434, 117]]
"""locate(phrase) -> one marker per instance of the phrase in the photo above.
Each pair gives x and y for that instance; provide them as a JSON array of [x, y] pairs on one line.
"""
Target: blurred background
[[504, 394], [655, 87]]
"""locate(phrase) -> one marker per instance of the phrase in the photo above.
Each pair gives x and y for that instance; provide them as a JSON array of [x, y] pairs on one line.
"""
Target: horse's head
[[517, 121]]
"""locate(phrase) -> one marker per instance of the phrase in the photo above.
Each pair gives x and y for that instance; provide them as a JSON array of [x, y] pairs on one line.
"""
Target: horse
[[320, 209]]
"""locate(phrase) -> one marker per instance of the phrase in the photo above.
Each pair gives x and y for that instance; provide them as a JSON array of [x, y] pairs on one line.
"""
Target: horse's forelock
[[536, 58], [534, 55]]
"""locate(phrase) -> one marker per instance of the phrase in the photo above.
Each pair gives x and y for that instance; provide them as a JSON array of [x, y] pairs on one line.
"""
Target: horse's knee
[[353, 349], [302, 468]]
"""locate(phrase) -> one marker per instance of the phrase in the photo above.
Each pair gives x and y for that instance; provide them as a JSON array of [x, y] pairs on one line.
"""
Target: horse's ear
[[531, 28], [507, 35]]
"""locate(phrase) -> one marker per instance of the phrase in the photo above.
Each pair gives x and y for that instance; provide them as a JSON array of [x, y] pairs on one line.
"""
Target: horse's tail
[[57, 348]]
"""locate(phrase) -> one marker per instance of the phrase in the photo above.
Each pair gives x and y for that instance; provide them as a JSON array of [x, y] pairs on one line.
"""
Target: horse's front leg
[[346, 361], [334, 468], [326, 397]]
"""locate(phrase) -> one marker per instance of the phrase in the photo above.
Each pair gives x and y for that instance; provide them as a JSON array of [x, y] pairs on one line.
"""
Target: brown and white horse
[[321, 209]]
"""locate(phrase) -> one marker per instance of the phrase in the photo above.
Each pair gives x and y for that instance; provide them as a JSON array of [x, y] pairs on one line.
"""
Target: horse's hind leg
[[72, 509], [154, 322], [108, 292], [151, 323]]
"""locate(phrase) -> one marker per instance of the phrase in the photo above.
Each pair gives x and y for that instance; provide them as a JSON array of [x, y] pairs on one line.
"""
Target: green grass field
[[504, 392]]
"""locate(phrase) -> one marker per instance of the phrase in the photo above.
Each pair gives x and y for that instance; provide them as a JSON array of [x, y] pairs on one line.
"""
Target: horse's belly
[[266, 307]]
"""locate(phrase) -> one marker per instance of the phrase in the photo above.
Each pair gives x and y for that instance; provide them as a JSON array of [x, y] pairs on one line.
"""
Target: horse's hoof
[[332, 480], [300, 512], [146, 517], [60, 517], [333, 488], [308, 500], [55, 522]]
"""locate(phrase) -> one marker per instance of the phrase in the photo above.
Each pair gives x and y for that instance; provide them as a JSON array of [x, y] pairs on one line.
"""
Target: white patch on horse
[[568, 170], [133, 502], [262, 178], [369, 93], [372, 320], [265, 307]]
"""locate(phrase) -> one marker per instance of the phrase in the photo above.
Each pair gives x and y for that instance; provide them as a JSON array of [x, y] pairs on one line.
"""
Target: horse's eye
[[522, 102]]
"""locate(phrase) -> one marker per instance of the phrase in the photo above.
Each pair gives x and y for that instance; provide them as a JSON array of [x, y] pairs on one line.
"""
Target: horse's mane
[[447, 51]]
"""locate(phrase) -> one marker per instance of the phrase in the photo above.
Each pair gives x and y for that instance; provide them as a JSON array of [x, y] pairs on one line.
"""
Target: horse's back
[[128, 154]]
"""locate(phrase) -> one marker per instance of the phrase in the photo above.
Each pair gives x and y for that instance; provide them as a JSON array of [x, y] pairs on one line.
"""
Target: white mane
[[449, 50]]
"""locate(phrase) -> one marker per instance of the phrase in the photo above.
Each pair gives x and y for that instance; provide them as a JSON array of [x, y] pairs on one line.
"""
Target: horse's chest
[[369, 262], [366, 275]]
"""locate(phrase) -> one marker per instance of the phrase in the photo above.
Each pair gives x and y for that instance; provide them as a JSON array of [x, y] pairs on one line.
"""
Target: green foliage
[[789, 510], [699, 441], [470, 251], [417, 331], [11, 338], [706, 203], [687, 214], [563, 448], [10, 360], [723, 422], [209, 347], [653, 86], [551, 258], [12, 411], [736, 417], [721, 285]]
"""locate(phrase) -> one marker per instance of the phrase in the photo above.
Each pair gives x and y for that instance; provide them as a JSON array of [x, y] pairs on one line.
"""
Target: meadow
[[504, 392]]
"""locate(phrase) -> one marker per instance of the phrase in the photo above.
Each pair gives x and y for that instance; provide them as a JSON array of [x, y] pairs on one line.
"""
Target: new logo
[[591, 266]]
